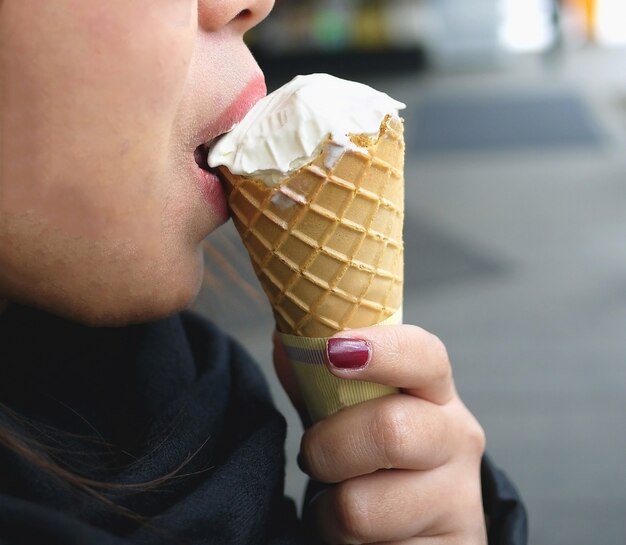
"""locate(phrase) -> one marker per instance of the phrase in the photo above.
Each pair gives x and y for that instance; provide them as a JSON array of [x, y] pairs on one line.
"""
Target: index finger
[[403, 356]]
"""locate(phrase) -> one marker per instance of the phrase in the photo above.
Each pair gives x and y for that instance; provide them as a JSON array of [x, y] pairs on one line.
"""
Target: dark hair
[[45, 456]]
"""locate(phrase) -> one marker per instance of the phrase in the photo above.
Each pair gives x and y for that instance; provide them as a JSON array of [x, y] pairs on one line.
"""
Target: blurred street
[[516, 257]]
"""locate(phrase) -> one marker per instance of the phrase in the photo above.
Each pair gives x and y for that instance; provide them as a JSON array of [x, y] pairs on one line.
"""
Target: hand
[[405, 468]]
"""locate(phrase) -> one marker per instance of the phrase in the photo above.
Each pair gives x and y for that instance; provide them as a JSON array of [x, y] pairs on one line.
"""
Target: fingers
[[436, 496], [406, 466], [393, 506], [398, 431], [403, 356]]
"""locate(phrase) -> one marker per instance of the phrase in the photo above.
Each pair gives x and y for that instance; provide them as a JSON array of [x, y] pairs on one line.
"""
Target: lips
[[234, 113]]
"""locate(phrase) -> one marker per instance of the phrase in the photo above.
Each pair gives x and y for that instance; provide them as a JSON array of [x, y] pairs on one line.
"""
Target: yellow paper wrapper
[[324, 393]]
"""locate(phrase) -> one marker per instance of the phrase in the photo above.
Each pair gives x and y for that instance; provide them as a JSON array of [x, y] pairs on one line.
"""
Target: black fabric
[[129, 405], [506, 515]]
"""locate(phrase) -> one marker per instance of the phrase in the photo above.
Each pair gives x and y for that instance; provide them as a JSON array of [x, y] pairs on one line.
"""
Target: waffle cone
[[326, 242]]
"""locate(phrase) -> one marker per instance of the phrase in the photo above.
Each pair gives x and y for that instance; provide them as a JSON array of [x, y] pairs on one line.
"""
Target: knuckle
[[393, 429], [353, 520], [475, 438]]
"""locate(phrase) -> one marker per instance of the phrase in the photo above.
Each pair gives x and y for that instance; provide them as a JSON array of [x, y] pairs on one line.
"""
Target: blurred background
[[515, 225]]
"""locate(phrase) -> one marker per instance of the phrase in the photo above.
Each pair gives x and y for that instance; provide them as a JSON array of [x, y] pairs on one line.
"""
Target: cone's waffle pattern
[[326, 244]]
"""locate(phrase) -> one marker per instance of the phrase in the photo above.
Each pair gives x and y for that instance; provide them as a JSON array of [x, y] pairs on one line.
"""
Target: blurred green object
[[331, 27]]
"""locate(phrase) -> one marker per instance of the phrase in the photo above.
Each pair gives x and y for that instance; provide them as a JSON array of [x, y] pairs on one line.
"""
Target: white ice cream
[[284, 131]]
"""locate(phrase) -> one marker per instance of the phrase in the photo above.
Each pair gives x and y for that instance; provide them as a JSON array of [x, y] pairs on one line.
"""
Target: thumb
[[287, 378]]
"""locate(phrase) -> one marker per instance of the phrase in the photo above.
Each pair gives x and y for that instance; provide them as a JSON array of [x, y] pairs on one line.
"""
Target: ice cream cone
[[326, 242], [315, 183]]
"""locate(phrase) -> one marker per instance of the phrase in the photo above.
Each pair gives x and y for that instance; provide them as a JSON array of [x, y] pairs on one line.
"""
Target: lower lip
[[213, 194]]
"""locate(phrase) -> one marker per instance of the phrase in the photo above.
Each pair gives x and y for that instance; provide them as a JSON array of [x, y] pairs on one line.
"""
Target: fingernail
[[348, 353]]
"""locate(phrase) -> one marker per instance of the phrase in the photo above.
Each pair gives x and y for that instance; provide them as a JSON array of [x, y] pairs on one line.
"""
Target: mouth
[[211, 184], [201, 155]]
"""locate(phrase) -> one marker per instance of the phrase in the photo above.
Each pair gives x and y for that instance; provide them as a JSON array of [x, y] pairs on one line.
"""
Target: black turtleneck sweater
[[129, 405]]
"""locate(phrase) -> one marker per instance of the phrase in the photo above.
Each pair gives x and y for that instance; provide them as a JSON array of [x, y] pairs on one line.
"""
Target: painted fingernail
[[348, 353]]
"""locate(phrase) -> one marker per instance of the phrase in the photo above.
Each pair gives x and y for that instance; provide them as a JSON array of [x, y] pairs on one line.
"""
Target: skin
[[102, 215], [102, 104]]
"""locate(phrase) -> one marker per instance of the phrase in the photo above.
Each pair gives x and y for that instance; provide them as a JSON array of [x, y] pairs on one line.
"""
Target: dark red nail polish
[[348, 353]]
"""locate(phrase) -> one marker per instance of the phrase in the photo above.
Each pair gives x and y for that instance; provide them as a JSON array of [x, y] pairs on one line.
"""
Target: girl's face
[[102, 104]]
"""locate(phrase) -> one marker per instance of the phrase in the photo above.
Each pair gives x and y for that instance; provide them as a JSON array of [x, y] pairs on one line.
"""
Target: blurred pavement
[[516, 258]]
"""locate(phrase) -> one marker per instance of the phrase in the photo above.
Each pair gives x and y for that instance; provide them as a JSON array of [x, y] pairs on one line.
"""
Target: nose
[[240, 15]]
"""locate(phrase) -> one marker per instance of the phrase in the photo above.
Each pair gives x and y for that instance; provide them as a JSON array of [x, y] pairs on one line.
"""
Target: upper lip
[[232, 114], [254, 91]]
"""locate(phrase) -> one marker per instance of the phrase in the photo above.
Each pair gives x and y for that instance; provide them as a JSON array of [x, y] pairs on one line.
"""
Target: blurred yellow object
[[591, 10], [370, 26], [588, 10]]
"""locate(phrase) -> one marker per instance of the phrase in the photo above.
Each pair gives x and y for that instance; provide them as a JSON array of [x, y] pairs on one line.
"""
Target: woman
[[126, 421]]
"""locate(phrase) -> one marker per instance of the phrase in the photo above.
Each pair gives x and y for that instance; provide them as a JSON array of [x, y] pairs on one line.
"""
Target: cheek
[[141, 50], [89, 98], [87, 119]]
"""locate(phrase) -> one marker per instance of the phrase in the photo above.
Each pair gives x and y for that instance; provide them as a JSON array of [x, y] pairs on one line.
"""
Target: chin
[[161, 301], [143, 308], [114, 313], [157, 293], [129, 301]]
